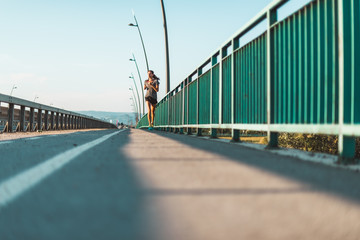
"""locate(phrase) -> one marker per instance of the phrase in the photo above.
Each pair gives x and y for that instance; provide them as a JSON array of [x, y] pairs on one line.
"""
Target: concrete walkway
[[202, 189], [137, 184]]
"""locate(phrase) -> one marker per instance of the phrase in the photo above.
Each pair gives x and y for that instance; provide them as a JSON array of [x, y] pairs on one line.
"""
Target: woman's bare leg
[[152, 113], [148, 105]]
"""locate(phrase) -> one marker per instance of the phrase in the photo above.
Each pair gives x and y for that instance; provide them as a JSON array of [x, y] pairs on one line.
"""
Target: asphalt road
[[136, 184]]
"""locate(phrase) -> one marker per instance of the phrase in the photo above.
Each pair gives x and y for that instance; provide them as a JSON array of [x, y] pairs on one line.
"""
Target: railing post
[[235, 133], [10, 117], [168, 110], [46, 119], [182, 107], [272, 136], [346, 143], [31, 119], [61, 121], [39, 120], [222, 53], [199, 130], [52, 120], [213, 131], [187, 107], [57, 121], [22, 118], [67, 121]]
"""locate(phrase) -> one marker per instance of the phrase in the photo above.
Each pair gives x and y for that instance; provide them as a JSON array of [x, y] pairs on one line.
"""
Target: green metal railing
[[299, 76]]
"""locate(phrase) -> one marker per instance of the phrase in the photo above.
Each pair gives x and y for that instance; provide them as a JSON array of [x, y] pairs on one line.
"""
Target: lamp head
[[132, 25]]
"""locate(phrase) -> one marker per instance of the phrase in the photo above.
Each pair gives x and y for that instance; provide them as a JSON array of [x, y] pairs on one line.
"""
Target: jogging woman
[[152, 87]]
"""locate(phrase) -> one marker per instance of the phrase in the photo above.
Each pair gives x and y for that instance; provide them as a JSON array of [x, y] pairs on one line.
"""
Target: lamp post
[[135, 111], [166, 49], [137, 107], [142, 42], [14, 87], [36, 97], [132, 76], [134, 108], [142, 91]]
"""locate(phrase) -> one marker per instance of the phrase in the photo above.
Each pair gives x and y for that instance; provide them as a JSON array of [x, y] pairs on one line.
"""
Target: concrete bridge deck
[[136, 184]]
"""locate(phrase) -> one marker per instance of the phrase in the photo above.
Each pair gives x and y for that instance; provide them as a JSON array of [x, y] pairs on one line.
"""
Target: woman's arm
[[145, 87], [156, 87]]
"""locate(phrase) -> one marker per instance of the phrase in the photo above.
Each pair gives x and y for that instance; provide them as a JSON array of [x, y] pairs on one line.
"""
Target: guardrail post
[[52, 120], [235, 133], [272, 136], [10, 117], [213, 131], [39, 120], [57, 121], [67, 121], [61, 116], [22, 118], [46, 120], [222, 53], [32, 120], [188, 132], [63, 119], [346, 144], [181, 131], [199, 130]]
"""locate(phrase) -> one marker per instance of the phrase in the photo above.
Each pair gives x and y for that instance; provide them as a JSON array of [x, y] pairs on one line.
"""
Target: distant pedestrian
[[152, 87]]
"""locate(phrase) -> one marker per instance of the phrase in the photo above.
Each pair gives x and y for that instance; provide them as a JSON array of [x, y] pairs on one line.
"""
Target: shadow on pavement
[[95, 196], [316, 177]]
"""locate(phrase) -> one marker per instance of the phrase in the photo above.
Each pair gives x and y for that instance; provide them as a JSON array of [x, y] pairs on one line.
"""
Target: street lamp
[[132, 76], [138, 108], [36, 97], [142, 91], [14, 87], [142, 42], [135, 110], [166, 49]]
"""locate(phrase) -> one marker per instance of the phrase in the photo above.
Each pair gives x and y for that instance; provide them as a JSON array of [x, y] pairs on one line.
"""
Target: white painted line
[[17, 185], [6, 142]]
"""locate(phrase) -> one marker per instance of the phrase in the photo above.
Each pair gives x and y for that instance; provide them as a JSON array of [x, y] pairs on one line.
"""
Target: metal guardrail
[[299, 76], [37, 117]]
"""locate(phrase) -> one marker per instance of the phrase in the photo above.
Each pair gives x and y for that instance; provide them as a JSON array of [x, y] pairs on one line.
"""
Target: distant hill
[[122, 117]]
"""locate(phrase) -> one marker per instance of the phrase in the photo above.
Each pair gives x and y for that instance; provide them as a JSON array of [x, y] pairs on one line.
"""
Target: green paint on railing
[[313, 58]]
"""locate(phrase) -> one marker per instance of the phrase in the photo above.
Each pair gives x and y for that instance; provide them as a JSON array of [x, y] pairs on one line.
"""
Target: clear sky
[[74, 54]]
